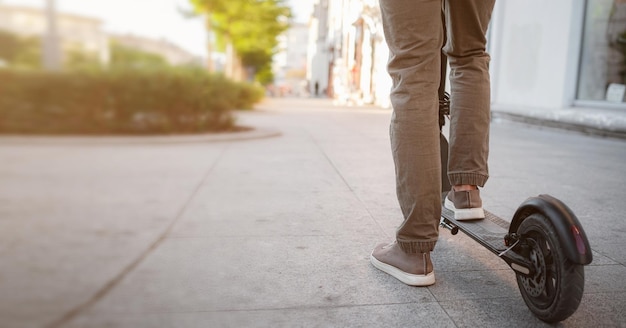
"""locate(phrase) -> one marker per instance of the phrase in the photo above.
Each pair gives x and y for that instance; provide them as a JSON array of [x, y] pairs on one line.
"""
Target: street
[[276, 230]]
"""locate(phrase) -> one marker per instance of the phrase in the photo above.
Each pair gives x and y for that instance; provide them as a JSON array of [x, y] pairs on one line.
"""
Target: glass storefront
[[603, 62]]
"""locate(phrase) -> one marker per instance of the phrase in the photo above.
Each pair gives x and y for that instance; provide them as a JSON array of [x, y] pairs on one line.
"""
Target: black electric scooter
[[544, 243]]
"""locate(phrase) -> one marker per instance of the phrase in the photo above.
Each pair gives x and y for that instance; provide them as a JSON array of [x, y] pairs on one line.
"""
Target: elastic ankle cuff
[[474, 179], [413, 247]]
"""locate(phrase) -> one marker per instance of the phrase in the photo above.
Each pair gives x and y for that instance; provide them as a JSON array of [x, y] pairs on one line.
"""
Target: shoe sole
[[464, 214], [410, 279]]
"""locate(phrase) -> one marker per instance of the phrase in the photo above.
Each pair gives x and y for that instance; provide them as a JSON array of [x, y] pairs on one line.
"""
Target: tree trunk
[[51, 55], [209, 28], [229, 69], [234, 68]]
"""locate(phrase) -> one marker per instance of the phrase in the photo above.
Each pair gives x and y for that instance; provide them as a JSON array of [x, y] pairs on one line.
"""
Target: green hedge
[[123, 102]]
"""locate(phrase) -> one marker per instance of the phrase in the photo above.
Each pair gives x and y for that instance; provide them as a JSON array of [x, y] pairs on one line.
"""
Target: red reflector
[[580, 244]]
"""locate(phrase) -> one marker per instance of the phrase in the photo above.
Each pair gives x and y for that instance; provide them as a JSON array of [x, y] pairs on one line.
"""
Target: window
[[603, 61]]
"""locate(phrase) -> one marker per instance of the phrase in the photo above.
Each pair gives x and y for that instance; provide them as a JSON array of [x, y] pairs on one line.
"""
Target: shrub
[[120, 102]]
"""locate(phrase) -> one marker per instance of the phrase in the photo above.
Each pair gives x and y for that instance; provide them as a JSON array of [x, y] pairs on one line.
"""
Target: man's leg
[[413, 30], [467, 22]]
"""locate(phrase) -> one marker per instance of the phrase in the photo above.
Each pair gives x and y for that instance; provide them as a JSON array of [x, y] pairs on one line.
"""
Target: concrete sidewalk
[[277, 231]]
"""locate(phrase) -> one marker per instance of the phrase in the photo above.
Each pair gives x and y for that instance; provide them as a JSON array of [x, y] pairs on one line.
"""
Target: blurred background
[[565, 56], [88, 62], [170, 28]]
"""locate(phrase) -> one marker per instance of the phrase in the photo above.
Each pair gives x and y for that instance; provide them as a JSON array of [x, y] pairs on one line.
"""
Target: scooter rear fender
[[568, 229]]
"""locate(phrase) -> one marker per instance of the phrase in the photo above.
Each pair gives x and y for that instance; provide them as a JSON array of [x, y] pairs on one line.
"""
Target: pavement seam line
[[104, 290], [332, 164], [288, 308]]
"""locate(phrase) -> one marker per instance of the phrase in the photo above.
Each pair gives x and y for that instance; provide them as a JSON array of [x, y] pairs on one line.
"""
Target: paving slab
[[213, 274], [276, 213], [491, 312], [392, 315], [276, 230], [73, 217]]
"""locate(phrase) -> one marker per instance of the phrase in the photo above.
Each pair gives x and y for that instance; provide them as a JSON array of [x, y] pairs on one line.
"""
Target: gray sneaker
[[411, 269], [466, 205]]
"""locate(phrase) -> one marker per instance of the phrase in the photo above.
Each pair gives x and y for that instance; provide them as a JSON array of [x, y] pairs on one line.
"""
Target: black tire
[[555, 291]]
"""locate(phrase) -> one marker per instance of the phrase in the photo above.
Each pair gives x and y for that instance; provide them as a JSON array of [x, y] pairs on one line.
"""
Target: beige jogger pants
[[414, 32]]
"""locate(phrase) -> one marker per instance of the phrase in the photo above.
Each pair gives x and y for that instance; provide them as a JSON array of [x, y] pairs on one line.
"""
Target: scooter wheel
[[554, 292]]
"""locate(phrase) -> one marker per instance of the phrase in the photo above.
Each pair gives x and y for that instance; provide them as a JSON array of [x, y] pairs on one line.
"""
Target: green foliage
[[120, 102], [251, 26], [20, 52], [25, 53], [10, 45], [81, 60], [265, 76], [123, 57]]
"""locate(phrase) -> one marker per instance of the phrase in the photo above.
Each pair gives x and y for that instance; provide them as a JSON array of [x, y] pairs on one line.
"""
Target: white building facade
[[290, 62], [546, 55], [570, 53], [77, 33], [86, 35], [319, 50], [348, 54], [172, 53]]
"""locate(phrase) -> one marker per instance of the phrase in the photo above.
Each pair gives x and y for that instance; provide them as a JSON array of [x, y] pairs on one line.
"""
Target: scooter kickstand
[[508, 249], [446, 224]]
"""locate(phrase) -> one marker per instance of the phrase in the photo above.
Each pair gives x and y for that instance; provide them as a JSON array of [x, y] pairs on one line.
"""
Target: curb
[[254, 133], [562, 125]]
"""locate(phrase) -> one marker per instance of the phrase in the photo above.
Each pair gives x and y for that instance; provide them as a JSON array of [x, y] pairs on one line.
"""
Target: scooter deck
[[489, 231]]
